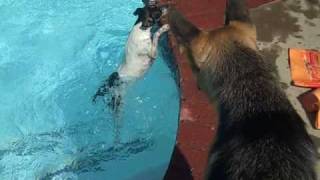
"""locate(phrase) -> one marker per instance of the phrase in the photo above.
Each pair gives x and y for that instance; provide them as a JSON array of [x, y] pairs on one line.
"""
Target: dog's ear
[[181, 27], [237, 11], [139, 12]]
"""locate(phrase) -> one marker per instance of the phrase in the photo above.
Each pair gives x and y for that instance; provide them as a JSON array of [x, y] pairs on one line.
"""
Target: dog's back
[[260, 135]]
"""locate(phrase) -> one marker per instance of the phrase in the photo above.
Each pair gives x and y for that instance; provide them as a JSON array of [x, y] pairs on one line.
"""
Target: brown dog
[[260, 135]]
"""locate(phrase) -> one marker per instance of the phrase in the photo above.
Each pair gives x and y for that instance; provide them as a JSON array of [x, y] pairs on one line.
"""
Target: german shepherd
[[260, 135]]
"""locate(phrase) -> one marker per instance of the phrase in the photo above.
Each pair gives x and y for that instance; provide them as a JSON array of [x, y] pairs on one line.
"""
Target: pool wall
[[198, 119]]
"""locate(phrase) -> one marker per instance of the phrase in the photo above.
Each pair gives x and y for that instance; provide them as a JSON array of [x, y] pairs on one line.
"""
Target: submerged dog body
[[260, 135]]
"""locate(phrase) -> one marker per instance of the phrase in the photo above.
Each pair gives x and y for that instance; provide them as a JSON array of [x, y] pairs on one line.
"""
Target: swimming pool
[[53, 57]]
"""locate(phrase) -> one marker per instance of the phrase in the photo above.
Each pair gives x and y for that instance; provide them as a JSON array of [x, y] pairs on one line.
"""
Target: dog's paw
[[152, 55]]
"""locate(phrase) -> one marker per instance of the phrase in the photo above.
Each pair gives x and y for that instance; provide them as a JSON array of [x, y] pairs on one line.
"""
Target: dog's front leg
[[155, 41]]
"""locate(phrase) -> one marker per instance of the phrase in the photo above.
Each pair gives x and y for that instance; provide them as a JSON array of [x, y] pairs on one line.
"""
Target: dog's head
[[149, 16]]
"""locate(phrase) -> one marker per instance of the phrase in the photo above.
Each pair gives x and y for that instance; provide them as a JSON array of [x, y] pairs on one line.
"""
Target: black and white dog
[[140, 53]]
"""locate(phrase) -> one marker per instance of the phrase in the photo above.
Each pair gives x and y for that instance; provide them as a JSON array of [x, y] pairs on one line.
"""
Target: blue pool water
[[53, 57]]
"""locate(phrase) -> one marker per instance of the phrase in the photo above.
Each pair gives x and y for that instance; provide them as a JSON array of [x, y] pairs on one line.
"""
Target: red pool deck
[[198, 119]]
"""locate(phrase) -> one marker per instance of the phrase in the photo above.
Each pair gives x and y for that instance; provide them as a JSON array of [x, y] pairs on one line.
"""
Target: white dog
[[140, 53]]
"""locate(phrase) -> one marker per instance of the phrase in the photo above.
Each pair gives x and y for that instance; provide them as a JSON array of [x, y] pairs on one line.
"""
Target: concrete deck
[[289, 24]]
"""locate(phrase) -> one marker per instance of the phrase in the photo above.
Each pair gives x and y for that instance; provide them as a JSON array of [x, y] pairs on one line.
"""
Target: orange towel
[[305, 67], [311, 103], [305, 72]]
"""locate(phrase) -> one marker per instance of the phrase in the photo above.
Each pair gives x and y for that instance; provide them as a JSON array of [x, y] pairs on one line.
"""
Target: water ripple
[[54, 56]]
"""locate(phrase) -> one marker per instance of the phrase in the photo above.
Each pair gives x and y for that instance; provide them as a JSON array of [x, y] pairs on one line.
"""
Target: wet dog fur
[[260, 135]]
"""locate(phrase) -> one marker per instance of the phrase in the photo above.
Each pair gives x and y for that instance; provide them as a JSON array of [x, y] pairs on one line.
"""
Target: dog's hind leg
[[115, 101], [112, 81]]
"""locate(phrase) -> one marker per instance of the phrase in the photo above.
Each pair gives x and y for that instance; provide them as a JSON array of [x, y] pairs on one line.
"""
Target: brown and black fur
[[260, 135]]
